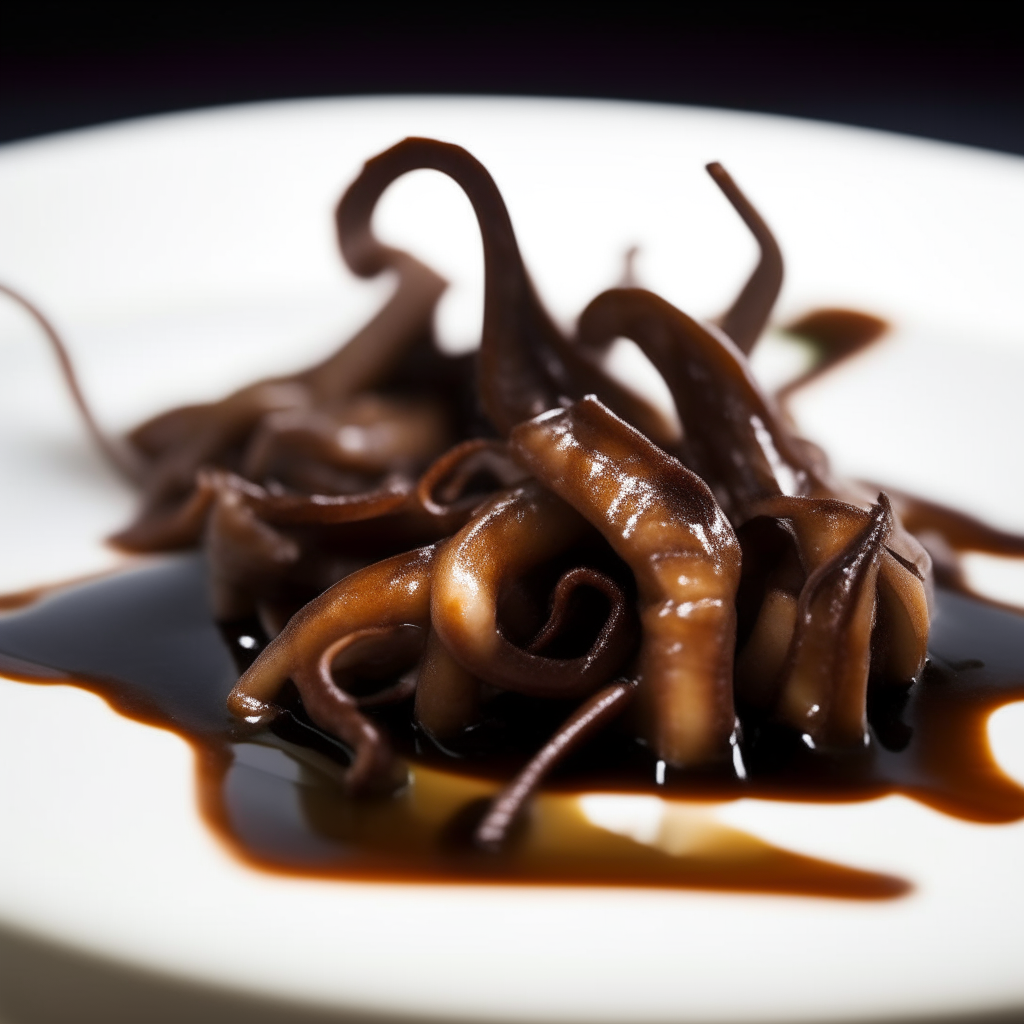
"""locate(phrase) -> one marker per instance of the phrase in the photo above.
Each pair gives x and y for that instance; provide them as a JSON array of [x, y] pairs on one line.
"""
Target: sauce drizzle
[[147, 642]]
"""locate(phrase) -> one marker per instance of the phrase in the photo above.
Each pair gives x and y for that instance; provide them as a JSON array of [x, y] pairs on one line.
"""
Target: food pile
[[518, 529]]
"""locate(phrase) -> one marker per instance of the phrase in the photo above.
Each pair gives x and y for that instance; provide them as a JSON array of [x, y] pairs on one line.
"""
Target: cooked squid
[[518, 525]]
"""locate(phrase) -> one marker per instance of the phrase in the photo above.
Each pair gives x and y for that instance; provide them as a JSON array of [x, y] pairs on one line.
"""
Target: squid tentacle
[[664, 522], [505, 539], [824, 688], [121, 456], [182, 527], [369, 434], [737, 441], [821, 528], [177, 527], [440, 489], [390, 593], [172, 447], [593, 715], [525, 364], [747, 317], [734, 437], [561, 600], [374, 768]]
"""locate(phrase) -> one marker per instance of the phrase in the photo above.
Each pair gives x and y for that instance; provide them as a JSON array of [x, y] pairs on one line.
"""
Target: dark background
[[953, 73]]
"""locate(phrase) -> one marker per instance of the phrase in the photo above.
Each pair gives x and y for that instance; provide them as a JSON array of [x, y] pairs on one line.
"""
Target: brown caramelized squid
[[525, 365], [266, 548], [733, 436], [664, 522], [736, 440], [492, 833], [747, 317], [389, 596], [594, 565], [174, 446], [824, 687], [507, 538]]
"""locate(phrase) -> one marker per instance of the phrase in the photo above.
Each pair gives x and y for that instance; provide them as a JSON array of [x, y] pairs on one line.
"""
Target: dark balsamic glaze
[[145, 641]]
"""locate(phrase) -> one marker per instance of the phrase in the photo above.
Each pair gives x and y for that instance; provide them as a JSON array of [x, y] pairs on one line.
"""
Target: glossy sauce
[[146, 641]]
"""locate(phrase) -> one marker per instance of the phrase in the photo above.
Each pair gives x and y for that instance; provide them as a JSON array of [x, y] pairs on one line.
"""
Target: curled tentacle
[[821, 528], [517, 330], [172, 447], [525, 364], [747, 318], [391, 593], [266, 545], [736, 440], [443, 490], [368, 606], [437, 498], [360, 662], [175, 527], [561, 603], [374, 768], [504, 541], [603, 707], [734, 437], [448, 696], [182, 526], [664, 522]]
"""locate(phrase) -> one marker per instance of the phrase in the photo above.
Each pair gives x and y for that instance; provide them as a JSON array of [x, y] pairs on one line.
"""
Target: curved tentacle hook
[[747, 317], [507, 538], [734, 437], [525, 365]]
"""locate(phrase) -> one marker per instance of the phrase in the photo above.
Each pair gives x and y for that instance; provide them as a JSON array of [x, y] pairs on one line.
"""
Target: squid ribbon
[[525, 364], [662, 519], [504, 541], [263, 545], [391, 595], [736, 440], [733, 570]]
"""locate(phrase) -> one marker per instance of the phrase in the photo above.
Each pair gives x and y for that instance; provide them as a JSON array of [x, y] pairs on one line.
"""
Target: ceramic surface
[[185, 255]]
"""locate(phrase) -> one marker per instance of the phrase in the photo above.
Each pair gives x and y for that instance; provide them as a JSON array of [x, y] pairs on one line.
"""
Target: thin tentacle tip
[[251, 711], [495, 832]]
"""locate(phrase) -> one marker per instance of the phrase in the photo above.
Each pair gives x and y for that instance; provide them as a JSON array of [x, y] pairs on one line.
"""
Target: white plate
[[184, 255]]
